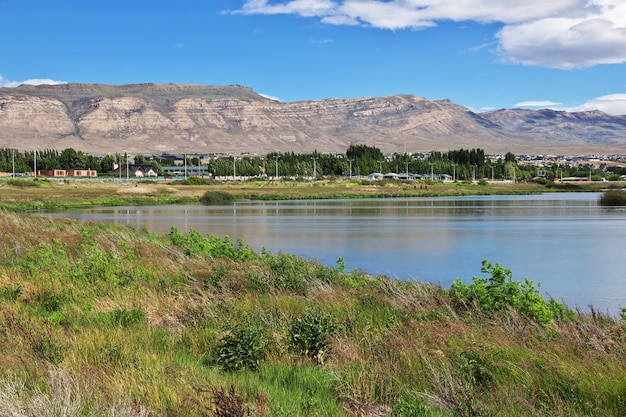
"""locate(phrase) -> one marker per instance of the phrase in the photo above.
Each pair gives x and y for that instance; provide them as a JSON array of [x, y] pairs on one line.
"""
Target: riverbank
[[23, 195], [109, 320]]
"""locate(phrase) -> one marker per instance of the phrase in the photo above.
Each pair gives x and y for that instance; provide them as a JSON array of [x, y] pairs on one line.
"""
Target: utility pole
[[276, 157], [350, 160]]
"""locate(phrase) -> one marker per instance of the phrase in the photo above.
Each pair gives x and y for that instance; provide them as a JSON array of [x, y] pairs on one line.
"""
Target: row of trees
[[463, 164]]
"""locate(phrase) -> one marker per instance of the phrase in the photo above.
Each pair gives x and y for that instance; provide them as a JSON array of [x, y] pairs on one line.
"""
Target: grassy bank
[[21, 195], [114, 321]]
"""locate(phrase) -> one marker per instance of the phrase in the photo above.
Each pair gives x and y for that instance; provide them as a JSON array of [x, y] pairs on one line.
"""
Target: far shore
[[36, 194]]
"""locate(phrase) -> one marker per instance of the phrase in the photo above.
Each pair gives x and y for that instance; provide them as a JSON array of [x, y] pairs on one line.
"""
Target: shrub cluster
[[211, 246], [310, 335], [613, 198], [500, 292], [216, 197]]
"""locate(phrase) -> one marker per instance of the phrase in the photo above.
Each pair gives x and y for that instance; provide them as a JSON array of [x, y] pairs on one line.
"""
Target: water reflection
[[566, 241]]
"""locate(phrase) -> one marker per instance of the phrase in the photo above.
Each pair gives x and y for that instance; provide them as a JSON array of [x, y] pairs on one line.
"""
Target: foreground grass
[[23, 195], [109, 320]]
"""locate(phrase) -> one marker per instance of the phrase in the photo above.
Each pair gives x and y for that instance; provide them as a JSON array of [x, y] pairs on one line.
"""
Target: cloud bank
[[561, 34], [614, 104], [35, 81]]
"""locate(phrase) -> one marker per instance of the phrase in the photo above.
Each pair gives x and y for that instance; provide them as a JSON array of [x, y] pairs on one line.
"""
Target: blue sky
[[482, 54]]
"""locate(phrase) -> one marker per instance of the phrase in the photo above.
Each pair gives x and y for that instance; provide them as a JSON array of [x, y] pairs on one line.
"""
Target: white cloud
[[538, 104], [558, 33], [566, 42], [614, 104], [267, 96], [35, 81]]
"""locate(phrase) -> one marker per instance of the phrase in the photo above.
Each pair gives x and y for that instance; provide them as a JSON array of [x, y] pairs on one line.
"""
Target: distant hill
[[158, 118]]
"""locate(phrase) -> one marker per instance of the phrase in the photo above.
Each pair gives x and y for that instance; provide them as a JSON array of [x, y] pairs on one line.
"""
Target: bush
[[211, 246], [195, 181], [23, 183], [216, 197], [242, 347], [613, 198], [500, 292], [309, 335]]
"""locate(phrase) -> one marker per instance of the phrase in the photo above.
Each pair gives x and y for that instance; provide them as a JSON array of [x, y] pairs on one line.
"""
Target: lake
[[566, 241]]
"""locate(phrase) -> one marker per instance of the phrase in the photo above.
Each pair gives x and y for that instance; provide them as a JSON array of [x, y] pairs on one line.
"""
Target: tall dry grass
[[132, 322]]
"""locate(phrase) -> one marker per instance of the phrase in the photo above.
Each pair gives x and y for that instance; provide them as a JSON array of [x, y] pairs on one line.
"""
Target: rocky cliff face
[[190, 118]]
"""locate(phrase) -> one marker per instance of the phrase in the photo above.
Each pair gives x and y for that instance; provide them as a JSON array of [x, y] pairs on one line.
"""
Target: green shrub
[[310, 333], [23, 183], [500, 292], [242, 347], [195, 181], [216, 197], [289, 271], [613, 198], [212, 246]]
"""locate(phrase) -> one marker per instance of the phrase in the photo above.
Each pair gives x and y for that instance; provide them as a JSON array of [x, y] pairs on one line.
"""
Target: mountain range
[[176, 118]]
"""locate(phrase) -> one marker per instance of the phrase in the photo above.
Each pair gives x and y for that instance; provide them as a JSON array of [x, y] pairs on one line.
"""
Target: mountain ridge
[[156, 118]]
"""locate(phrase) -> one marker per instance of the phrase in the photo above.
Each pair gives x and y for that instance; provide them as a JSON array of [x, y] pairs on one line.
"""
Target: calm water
[[565, 241]]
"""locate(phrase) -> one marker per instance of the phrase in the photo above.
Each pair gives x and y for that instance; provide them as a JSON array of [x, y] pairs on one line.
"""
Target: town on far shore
[[229, 166]]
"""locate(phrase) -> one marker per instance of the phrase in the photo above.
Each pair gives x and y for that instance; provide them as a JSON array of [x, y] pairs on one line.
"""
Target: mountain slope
[[192, 118]]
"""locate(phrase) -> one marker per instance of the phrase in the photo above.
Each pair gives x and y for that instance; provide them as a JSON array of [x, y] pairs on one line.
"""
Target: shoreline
[[28, 195]]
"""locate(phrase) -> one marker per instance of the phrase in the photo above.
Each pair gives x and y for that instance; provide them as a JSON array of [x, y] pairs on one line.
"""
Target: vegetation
[[106, 320], [461, 164], [613, 198], [216, 197], [29, 194]]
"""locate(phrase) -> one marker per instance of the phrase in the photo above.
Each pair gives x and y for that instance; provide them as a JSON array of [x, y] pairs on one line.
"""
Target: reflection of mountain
[[177, 118]]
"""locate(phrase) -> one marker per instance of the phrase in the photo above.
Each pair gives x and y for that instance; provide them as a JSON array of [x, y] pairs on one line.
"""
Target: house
[[143, 170], [81, 172], [375, 176], [73, 172], [137, 170]]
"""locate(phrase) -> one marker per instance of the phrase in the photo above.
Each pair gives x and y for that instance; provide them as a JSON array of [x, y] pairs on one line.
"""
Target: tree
[[139, 159]]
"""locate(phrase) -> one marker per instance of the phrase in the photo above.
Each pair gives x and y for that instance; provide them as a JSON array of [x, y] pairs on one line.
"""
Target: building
[[73, 172]]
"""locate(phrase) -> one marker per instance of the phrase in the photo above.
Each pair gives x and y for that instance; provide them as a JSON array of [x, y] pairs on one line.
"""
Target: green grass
[[101, 316]]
